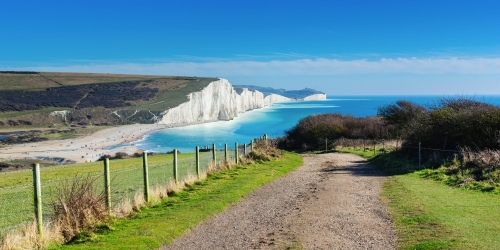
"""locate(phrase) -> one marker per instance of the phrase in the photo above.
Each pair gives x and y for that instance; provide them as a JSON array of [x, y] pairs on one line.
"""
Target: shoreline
[[88, 148]]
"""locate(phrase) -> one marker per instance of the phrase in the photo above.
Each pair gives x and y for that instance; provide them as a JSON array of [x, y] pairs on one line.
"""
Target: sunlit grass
[[155, 226], [429, 214]]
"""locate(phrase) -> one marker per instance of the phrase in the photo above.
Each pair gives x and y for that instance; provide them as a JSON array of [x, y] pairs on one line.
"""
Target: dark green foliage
[[402, 117], [316, 128], [109, 95], [450, 124]]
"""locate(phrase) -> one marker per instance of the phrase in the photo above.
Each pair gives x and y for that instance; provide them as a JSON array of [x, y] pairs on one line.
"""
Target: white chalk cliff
[[219, 101]]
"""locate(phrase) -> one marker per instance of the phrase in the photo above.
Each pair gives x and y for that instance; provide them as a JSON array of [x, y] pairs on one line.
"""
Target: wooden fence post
[[225, 153], [245, 150], [236, 153], [37, 188], [107, 185], [326, 144], [198, 162], [214, 155], [176, 177], [146, 175]]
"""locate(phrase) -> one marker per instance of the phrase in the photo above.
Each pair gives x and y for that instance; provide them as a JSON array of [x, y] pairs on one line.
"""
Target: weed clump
[[265, 150], [79, 207]]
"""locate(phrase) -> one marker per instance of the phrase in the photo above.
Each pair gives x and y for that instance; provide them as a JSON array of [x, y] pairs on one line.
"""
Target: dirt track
[[331, 202]]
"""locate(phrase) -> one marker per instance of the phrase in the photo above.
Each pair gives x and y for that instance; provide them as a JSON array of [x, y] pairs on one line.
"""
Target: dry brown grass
[[86, 78], [265, 150], [27, 237], [79, 206], [24, 81]]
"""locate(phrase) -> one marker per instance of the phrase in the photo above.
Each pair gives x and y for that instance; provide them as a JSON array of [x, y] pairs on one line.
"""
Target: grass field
[[172, 91], [429, 214], [24, 81], [44, 80], [16, 188], [162, 223], [69, 171]]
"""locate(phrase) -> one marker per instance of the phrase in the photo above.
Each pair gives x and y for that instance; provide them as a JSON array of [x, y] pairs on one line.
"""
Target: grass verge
[[160, 224], [429, 214]]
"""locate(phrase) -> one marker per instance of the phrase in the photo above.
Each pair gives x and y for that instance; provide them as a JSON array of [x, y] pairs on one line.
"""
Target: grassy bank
[[162, 223], [429, 214]]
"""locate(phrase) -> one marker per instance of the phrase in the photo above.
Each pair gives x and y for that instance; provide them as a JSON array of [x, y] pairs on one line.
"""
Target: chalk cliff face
[[219, 101], [315, 97]]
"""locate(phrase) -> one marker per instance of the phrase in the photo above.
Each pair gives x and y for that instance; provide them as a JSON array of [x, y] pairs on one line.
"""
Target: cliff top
[[294, 94]]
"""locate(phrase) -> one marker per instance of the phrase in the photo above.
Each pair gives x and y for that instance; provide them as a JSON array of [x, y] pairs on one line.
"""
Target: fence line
[[20, 204], [383, 146]]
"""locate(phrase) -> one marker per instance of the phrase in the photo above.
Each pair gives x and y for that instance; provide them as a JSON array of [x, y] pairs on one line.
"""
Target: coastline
[[217, 101], [83, 149], [88, 148]]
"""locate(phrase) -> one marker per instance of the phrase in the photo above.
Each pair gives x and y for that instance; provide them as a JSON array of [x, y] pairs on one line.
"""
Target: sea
[[273, 121]]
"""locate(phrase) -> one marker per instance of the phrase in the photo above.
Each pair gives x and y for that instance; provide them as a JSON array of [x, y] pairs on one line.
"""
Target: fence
[[364, 144], [425, 157], [123, 179]]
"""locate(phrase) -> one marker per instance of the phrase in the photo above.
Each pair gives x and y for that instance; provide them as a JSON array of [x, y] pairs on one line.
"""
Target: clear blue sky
[[350, 47]]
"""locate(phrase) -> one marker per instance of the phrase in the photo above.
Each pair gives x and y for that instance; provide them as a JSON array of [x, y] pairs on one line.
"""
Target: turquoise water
[[273, 121]]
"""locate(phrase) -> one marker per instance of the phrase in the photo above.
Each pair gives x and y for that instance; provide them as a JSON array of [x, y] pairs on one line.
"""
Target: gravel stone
[[330, 202]]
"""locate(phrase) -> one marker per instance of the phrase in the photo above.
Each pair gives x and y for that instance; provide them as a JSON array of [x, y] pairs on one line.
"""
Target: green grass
[[45, 80], [429, 214], [71, 170], [175, 96], [16, 194], [155, 226], [28, 112], [172, 91], [24, 81]]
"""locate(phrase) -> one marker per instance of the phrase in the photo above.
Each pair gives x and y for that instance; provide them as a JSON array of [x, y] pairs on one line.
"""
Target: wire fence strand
[[127, 180]]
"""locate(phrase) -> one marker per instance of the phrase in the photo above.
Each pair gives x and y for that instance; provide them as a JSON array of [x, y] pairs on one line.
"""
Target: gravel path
[[331, 202]]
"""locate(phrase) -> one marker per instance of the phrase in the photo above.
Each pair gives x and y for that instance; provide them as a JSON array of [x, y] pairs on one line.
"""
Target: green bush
[[316, 128], [450, 124]]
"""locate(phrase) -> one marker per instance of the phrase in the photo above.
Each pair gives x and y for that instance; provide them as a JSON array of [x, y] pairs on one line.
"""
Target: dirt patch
[[331, 202]]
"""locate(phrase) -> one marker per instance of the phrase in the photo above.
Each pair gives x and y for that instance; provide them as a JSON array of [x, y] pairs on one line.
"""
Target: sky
[[351, 47]]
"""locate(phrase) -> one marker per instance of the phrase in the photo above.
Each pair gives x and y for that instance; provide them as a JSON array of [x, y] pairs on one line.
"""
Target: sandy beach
[[84, 149]]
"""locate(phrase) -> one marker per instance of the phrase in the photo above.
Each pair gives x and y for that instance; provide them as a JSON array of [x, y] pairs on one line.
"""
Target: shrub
[[450, 124], [316, 128], [402, 117], [265, 150], [79, 207]]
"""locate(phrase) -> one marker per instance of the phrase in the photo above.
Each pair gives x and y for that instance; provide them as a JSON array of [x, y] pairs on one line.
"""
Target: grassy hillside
[[41, 80], [27, 98]]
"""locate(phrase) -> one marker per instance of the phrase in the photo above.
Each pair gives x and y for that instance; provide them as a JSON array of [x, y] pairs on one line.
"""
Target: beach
[[83, 149]]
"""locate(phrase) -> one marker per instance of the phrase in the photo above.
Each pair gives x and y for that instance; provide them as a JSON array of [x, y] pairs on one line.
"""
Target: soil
[[331, 202]]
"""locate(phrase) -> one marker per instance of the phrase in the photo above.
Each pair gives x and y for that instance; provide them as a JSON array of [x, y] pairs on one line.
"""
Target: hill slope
[[28, 98]]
